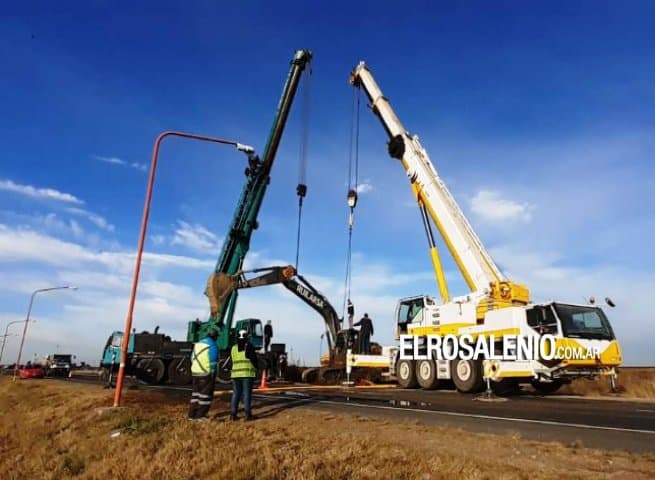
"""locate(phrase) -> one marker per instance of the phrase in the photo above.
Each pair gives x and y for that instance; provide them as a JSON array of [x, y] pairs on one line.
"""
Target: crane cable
[[353, 164], [301, 188]]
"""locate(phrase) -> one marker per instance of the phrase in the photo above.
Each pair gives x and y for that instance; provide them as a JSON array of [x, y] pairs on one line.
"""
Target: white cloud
[[490, 205], [78, 232], [94, 218], [40, 193], [26, 245], [112, 160], [119, 161], [158, 239], [195, 237], [365, 187]]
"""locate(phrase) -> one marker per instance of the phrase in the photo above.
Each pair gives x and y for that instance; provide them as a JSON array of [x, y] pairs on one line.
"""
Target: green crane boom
[[222, 299]]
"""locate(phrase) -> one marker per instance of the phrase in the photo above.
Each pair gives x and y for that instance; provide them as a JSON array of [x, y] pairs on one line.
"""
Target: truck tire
[[506, 386], [467, 375], [546, 388], [179, 371], [426, 374], [310, 375], [150, 370], [406, 373], [224, 373]]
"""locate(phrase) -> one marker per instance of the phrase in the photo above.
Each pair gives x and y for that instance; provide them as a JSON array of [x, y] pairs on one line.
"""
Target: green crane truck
[[156, 358]]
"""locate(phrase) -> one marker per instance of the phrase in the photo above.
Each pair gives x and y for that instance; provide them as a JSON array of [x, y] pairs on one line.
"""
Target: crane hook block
[[396, 147], [352, 198], [301, 189]]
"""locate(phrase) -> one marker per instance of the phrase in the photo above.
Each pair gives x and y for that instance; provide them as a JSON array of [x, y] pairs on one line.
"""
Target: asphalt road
[[605, 424]]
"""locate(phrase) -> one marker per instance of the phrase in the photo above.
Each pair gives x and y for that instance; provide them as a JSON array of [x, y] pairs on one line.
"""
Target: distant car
[[32, 372]]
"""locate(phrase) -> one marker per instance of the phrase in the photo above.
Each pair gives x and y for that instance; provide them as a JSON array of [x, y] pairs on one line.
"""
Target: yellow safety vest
[[201, 364], [241, 366]]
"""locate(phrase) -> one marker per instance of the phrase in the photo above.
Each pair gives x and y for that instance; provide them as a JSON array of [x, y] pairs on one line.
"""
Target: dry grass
[[632, 383], [51, 430]]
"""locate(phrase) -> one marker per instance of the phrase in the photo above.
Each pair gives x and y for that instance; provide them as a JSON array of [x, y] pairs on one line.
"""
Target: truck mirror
[[609, 302]]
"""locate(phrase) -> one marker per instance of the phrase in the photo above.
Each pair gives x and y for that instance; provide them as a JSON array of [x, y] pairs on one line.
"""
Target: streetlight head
[[245, 148], [71, 287]]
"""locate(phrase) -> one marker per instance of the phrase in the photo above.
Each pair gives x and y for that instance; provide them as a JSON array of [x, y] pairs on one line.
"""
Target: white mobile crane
[[495, 305]]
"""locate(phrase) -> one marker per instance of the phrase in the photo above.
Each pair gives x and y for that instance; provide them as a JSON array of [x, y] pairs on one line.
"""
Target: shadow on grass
[[272, 408]]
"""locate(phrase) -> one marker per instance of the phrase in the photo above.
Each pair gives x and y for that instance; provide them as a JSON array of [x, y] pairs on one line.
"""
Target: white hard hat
[[243, 333]]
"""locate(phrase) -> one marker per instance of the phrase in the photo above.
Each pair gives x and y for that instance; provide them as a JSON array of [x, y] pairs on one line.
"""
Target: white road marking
[[645, 410], [490, 417]]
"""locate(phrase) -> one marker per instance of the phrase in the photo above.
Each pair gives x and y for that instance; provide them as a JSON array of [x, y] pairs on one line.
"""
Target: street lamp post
[[4, 337], [142, 235], [27, 321]]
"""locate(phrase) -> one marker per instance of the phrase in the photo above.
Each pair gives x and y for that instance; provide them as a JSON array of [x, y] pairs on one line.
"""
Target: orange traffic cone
[[263, 386]]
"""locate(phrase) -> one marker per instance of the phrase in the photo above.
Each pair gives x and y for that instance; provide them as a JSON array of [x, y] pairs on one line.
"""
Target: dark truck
[[155, 358], [59, 365]]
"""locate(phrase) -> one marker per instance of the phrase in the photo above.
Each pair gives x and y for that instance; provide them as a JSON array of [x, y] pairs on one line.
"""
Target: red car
[[32, 372]]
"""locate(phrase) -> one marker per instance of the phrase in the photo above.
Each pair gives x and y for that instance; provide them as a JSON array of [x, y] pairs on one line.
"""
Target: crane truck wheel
[[179, 371], [224, 374], [310, 375], [406, 373], [546, 388], [467, 375], [150, 370], [426, 374]]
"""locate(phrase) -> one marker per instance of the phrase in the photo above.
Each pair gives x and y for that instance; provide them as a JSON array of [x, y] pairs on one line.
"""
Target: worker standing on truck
[[268, 334], [365, 333], [244, 359], [204, 359]]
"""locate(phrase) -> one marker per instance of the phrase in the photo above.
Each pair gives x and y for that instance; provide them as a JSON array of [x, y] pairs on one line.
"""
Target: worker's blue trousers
[[241, 391]]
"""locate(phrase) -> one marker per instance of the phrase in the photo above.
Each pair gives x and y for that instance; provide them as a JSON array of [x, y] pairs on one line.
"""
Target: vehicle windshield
[[258, 330], [584, 322], [117, 340]]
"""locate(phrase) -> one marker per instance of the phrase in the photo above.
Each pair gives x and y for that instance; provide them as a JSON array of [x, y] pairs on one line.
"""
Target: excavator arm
[[296, 284]]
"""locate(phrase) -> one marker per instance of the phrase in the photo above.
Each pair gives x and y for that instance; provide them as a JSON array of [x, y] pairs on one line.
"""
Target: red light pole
[[142, 236]]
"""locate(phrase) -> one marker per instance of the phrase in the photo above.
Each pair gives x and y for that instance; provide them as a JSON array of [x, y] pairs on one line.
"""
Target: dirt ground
[[52, 430]]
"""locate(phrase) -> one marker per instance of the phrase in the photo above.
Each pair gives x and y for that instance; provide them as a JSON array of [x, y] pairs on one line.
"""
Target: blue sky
[[539, 118]]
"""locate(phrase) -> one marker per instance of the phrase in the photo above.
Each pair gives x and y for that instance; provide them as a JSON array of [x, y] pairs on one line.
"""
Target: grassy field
[[632, 383], [52, 430]]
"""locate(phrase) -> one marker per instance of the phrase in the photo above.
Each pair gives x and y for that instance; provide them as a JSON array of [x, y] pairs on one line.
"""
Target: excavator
[[495, 306], [339, 340]]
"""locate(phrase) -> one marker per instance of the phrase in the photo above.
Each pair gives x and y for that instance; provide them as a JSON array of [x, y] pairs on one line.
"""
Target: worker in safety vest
[[244, 361], [204, 359]]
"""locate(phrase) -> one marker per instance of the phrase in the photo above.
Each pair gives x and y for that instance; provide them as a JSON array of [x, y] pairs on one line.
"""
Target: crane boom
[[476, 265], [244, 222]]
